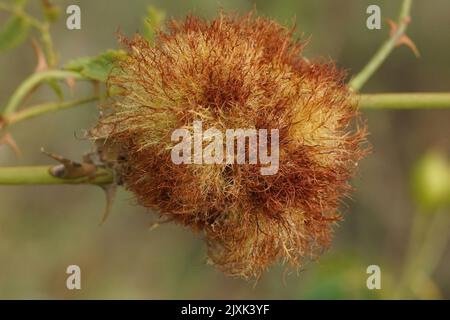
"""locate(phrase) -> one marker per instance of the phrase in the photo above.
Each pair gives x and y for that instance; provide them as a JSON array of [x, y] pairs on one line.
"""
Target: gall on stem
[[236, 72]]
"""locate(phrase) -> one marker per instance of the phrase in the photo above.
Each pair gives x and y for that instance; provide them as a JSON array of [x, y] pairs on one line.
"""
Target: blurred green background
[[45, 229]]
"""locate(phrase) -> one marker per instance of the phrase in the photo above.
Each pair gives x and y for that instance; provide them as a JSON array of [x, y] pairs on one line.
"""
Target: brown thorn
[[71, 84], [61, 159], [405, 40], [110, 193], [392, 26], [42, 64], [406, 20], [7, 139]]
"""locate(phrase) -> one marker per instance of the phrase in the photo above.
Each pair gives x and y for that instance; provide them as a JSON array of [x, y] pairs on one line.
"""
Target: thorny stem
[[29, 84], [40, 175], [383, 52]]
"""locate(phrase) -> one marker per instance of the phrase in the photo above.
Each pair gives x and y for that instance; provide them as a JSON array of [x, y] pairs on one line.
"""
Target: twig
[[48, 44], [383, 52], [28, 85], [44, 108], [40, 175], [405, 101]]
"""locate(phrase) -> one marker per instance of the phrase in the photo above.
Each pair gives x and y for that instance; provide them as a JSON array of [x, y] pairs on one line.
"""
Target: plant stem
[[48, 44], [39, 175], [383, 52], [366, 101], [404, 101], [28, 85], [44, 108]]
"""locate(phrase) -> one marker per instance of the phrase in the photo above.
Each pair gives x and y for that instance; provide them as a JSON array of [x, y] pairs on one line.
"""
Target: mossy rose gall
[[236, 72]]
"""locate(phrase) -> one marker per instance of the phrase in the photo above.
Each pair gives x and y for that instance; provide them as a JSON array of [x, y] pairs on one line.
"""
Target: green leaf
[[152, 22], [96, 68], [14, 33]]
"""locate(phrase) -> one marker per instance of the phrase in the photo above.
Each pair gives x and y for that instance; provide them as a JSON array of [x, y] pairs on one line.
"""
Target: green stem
[[366, 101], [48, 44], [44, 108], [405, 101], [30, 83], [383, 52], [39, 175]]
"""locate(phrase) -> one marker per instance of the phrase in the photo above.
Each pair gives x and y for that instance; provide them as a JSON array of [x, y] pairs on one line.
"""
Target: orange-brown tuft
[[237, 72]]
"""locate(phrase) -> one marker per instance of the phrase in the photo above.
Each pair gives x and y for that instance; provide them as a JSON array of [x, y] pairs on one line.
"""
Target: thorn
[[61, 159], [405, 40], [392, 26], [110, 193], [71, 84], [407, 20], [7, 139], [69, 169], [42, 64]]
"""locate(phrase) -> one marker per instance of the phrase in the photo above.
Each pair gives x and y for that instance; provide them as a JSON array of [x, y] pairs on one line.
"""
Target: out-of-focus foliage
[[16, 29], [13, 33], [340, 277], [51, 12], [152, 22], [431, 181]]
